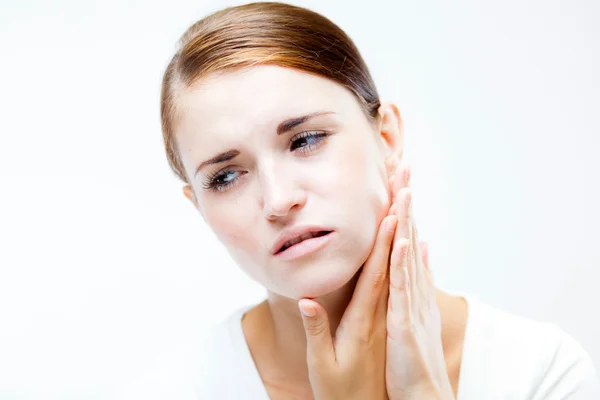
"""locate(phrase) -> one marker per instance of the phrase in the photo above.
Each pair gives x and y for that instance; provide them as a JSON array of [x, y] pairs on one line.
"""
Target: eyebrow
[[282, 128]]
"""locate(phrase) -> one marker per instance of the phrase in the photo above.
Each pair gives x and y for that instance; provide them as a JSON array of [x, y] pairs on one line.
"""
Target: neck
[[282, 325], [277, 341]]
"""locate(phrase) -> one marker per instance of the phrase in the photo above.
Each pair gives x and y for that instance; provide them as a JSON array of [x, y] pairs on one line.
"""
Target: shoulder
[[538, 358]]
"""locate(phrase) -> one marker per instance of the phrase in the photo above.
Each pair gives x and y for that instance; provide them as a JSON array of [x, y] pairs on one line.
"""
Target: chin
[[320, 279]]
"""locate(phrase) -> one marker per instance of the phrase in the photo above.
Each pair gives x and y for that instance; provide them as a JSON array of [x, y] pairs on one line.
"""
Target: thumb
[[319, 344]]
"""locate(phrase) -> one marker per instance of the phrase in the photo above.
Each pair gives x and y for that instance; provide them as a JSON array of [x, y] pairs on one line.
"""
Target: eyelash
[[212, 181]]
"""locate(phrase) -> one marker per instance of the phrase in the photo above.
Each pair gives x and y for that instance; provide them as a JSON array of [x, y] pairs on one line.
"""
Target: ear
[[391, 130], [188, 192]]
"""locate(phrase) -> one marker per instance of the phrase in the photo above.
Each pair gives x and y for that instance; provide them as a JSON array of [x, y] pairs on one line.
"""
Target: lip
[[305, 247], [293, 232]]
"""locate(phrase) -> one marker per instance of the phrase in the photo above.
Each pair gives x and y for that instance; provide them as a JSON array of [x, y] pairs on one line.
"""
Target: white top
[[504, 357]]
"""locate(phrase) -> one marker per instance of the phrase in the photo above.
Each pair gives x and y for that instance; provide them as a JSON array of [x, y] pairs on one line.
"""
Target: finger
[[392, 193], [409, 230], [429, 278], [414, 284], [367, 296], [418, 285], [394, 167], [391, 169], [401, 178], [422, 285], [425, 253], [400, 187], [320, 352], [399, 303], [391, 164], [402, 274], [403, 230], [391, 187], [420, 282], [415, 266], [398, 275]]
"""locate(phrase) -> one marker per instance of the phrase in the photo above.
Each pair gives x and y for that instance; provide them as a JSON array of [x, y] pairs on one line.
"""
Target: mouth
[[300, 239], [304, 244]]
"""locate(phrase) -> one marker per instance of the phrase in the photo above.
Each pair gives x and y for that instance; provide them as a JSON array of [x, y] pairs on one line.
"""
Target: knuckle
[[402, 329], [317, 327], [371, 336], [379, 283], [316, 364], [405, 218], [398, 287], [379, 278], [365, 339]]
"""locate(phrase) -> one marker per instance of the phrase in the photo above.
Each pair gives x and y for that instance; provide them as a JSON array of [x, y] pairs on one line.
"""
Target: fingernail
[[307, 310]]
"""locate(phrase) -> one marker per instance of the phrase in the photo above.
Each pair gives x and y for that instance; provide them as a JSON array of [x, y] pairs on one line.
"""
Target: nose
[[280, 193]]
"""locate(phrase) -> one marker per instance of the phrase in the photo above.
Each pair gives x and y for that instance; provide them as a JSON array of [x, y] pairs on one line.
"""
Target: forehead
[[257, 96], [225, 109], [269, 83]]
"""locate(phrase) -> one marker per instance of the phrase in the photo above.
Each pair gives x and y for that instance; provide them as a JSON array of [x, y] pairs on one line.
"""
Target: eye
[[221, 180], [307, 141]]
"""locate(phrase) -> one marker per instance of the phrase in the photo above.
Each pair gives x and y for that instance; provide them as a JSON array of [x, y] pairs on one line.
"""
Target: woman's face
[[297, 151]]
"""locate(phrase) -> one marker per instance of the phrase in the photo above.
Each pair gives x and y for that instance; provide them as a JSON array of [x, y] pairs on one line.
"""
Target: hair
[[259, 34]]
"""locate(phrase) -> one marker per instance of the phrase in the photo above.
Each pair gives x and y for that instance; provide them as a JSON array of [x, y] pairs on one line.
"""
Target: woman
[[271, 119]]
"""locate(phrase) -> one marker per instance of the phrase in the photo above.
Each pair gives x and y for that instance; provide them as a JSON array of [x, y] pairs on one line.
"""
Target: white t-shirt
[[504, 357]]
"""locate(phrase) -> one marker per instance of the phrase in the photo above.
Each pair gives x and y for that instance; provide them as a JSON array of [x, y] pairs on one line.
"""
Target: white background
[[108, 276]]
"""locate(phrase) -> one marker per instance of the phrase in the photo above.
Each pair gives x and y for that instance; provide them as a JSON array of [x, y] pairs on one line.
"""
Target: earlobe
[[391, 129], [188, 192]]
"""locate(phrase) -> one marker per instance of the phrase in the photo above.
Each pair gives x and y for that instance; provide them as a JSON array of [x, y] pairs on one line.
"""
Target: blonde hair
[[262, 33]]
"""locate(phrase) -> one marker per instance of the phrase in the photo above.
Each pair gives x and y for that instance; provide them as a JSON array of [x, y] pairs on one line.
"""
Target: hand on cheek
[[414, 356], [394, 166], [350, 363]]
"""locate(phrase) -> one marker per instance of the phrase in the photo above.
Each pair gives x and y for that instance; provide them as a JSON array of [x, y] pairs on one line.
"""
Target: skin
[[339, 181]]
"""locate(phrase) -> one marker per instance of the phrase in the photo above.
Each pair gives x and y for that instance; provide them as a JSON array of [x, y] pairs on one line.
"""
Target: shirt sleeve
[[569, 375]]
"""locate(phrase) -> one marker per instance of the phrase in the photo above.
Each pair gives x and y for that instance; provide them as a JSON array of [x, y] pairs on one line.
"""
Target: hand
[[415, 364], [352, 366]]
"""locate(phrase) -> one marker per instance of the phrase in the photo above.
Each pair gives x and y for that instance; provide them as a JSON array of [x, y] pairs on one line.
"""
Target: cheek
[[355, 187], [362, 177], [231, 228], [236, 230]]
